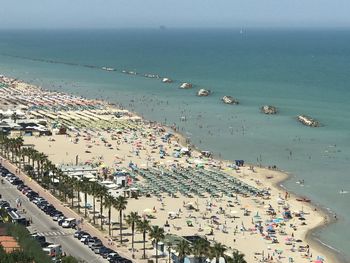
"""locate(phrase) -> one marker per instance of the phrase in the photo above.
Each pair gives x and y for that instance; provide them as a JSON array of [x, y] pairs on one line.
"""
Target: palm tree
[[60, 187], [199, 249], [102, 192], [218, 251], [238, 257], [17, 143], [78, 185], [132, 220], [156, 234], [120, 205], [41, 158], [93, 190], [108, 203], [85, 188], [2, 142], [47, 168], [54, 170], [143, 226], [183, 249]]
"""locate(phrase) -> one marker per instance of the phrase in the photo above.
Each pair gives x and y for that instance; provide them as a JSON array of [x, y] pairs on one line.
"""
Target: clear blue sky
[[173, 13]]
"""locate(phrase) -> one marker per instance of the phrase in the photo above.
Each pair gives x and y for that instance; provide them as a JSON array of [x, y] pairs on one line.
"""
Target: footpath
[[68, 212]]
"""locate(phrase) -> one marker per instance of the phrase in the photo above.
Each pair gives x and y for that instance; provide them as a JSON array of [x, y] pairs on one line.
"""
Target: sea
[[300, 71]]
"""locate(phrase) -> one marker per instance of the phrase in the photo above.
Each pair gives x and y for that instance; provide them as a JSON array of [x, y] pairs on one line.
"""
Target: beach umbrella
[[234, 212]]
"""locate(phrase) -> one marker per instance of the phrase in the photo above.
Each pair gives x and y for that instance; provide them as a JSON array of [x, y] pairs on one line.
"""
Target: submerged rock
[[203, 93], [268, 109], [229, 100], [186, 85], [308, 121]]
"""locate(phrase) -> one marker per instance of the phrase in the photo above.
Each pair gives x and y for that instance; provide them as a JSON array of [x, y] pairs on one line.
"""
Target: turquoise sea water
[[299, 71]]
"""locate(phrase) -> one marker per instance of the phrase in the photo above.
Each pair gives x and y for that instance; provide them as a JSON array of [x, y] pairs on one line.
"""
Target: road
[[43, 224]]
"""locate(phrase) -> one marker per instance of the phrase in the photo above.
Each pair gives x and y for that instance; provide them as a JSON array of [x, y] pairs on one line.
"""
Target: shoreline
[[331, 255]]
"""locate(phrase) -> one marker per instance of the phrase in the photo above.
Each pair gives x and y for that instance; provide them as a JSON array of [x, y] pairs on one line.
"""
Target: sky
[[173, 13]]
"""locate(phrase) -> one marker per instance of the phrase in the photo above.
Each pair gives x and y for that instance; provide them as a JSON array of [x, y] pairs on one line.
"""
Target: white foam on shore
[[326, 245]]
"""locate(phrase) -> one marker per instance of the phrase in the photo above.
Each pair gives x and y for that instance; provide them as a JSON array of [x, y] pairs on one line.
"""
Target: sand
[[141, 146], [252, 244]]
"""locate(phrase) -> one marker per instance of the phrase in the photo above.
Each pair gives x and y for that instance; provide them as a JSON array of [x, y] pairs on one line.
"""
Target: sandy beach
[[239, 221]]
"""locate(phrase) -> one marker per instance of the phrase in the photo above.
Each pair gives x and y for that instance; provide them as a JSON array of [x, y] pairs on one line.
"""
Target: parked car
[[38, 200], [17, 182], [84, 238], [4, 204], [57, 216], [96, 247], [93, 240], [61, 220], [104, 251], [111, 255], [40, 239], [78, 234], [69, 222]]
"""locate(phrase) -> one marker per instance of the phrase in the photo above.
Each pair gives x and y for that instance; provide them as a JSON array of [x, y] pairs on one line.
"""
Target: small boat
[[303, 199]]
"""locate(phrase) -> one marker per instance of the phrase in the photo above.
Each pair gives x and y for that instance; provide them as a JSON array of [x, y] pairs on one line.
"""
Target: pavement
[[44, 224]]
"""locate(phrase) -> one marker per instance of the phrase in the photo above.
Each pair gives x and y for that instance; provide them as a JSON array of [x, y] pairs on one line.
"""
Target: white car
[[69, 222], [84, 238]]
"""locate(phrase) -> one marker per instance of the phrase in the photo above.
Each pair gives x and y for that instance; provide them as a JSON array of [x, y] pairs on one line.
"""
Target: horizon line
[[165, 28]]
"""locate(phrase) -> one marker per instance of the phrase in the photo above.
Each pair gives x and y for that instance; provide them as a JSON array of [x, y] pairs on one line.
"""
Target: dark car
[[105, 251], [20, 187], [78, 234], [17, 182], [41, 239], [43, 205], [4, 204], [56, 216], [49, 209], [52, 212], [116, 259]]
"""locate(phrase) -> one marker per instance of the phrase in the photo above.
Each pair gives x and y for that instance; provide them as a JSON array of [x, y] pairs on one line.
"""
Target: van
[[69, 222], [54, 250]]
